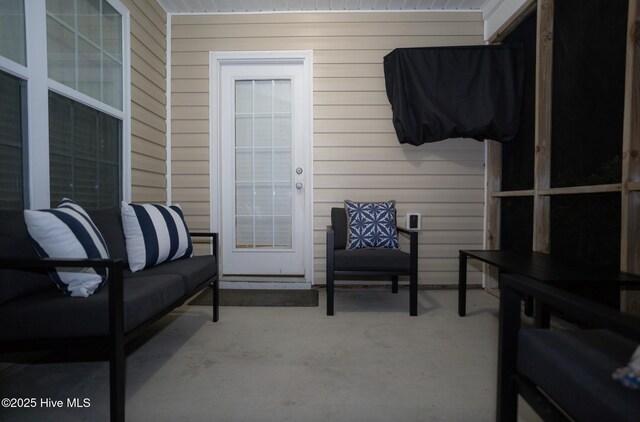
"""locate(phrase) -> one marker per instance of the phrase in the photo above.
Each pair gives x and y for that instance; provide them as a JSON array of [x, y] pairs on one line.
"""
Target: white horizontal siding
[[148, 101], [356, 153]]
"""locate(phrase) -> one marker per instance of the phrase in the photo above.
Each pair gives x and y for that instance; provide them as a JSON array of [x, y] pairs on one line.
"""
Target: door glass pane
[[263, 162]]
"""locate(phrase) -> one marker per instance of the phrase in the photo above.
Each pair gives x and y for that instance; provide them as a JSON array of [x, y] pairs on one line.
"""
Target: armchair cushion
[[381, 259], [371, 225]]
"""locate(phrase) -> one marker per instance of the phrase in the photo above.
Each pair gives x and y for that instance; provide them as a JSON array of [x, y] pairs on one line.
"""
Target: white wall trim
[[126, 99], [37, 105], [169, 116], [318, 11], [498, 12]]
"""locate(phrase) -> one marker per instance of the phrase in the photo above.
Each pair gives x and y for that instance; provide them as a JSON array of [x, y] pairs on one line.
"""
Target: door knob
[[298, 185]]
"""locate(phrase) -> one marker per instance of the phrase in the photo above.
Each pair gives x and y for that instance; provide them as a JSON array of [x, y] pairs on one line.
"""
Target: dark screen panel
[[516, 223], [518, 155], [589, 46], [585, 229]]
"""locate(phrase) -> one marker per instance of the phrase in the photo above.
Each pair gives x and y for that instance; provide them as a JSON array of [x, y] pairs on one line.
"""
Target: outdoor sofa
[[35, 315]]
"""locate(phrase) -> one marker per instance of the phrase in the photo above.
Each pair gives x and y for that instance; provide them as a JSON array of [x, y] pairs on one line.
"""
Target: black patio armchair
[[371, 262]]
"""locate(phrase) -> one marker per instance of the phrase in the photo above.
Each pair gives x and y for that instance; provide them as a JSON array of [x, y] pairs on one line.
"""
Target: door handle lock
[[299, 170], [298, 185]]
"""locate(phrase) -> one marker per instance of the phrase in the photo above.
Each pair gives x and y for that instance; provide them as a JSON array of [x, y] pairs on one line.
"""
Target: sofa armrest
[[578, 308], [116, 299], [214, 239], [28, 263]]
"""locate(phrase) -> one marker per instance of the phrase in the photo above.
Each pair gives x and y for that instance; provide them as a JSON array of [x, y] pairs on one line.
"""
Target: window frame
[[38, 85]]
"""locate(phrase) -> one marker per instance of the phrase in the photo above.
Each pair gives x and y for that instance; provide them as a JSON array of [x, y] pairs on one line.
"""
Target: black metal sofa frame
[[564, 374], [116, 317], [369, 262]]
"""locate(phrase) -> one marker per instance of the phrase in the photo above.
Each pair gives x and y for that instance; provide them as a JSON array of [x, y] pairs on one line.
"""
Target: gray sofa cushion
[[193, 271], [52, 315], [14, 242], [575, 366], [372, 260]]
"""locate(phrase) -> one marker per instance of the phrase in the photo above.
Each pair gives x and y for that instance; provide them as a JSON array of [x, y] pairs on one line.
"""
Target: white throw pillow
[[629, 376], [68, 232], [154, 234]]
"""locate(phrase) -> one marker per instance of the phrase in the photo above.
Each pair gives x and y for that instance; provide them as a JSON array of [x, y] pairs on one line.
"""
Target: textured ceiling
[[244, 6]]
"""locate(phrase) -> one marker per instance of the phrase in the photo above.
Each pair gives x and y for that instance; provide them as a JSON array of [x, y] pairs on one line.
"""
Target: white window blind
[[84, 151], [263, 150]]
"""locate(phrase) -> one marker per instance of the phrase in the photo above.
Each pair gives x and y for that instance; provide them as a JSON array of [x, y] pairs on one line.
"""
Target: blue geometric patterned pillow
[[371, 225]]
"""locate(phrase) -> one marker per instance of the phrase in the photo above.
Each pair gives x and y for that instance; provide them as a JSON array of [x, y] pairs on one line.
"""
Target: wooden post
[[544, 72], [630, 230], [492, 223]]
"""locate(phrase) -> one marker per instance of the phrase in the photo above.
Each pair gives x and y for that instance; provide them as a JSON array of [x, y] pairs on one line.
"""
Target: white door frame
[[216, 60]]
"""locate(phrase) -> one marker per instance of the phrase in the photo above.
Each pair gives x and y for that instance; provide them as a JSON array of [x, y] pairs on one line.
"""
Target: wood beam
[[542, 176], [630, 225]]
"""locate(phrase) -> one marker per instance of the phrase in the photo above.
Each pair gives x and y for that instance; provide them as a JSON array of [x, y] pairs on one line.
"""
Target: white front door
[[264, 142]]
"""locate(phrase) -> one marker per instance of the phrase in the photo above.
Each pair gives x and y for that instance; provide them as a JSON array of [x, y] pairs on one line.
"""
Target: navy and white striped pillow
[[68, 232], [154, 234]]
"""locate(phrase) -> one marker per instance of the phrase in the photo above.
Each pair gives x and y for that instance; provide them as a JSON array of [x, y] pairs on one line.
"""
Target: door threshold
[[256, 282]]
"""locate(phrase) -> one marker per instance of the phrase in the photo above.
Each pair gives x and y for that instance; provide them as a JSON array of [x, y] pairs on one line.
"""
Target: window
[[85, 48], [84, 150], [84, 39], [11, 155], [72, 75]]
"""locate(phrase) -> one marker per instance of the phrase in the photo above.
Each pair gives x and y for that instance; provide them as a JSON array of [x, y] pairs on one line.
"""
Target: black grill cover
[[455, 92]]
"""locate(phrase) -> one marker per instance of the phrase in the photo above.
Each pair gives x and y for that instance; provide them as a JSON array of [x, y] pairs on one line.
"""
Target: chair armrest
[[413, 240], [330, 238], [405, 230], [330, 249]]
